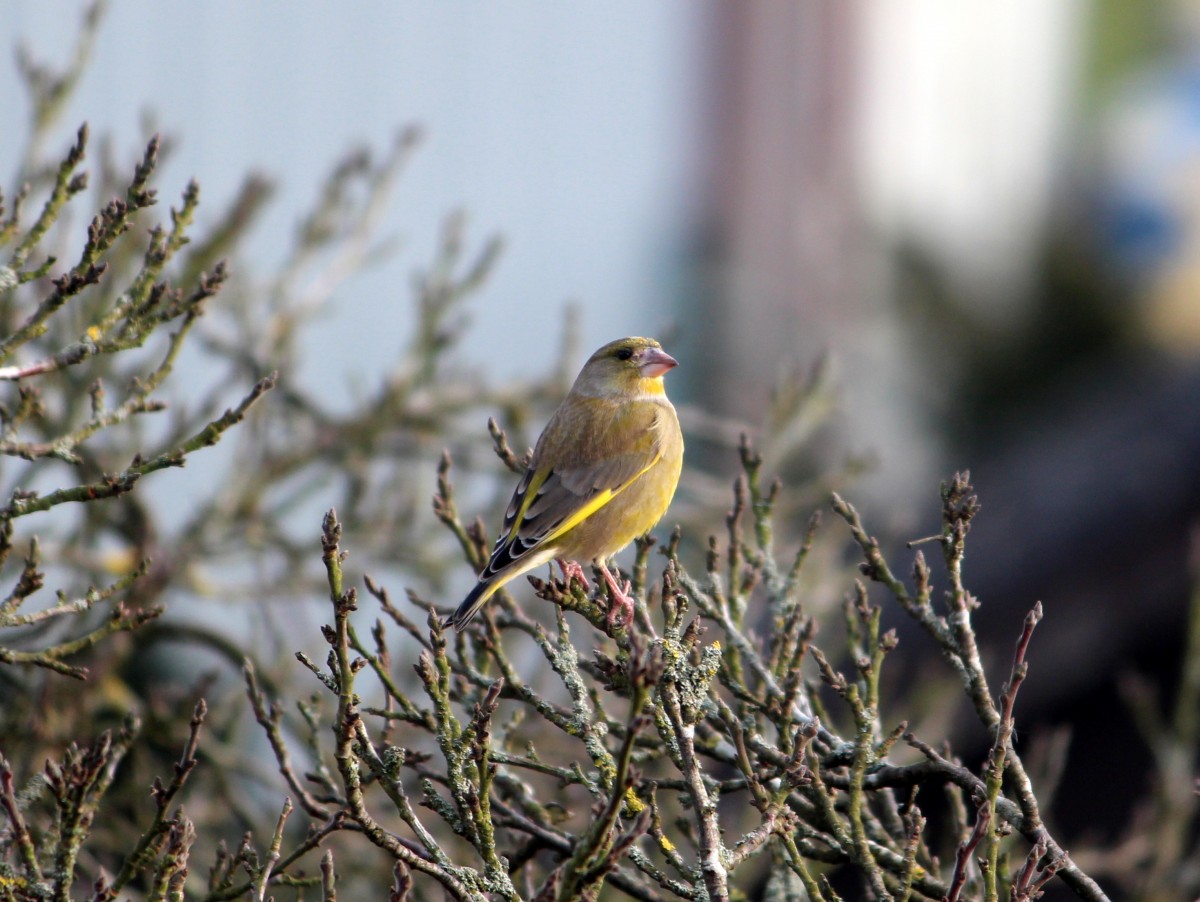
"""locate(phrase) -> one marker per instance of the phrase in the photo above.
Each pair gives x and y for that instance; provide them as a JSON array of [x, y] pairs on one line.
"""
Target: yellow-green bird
[[603, 473]]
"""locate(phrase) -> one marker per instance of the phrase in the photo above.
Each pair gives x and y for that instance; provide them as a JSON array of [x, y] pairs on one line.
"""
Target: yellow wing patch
[[588, 508]]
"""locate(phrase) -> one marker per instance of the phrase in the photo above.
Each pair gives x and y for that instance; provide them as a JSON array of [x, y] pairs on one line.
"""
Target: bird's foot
[[621, 601], [572, 570]]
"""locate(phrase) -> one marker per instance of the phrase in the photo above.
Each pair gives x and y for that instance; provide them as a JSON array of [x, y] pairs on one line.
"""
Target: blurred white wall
[[568, 128], [965, 118]]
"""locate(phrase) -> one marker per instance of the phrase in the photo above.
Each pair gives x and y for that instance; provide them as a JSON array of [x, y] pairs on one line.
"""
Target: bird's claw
[[572, 570], [621, 599]]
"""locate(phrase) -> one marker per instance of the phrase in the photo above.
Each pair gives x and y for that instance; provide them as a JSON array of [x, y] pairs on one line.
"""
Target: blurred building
[[996, 229], [838, 133]]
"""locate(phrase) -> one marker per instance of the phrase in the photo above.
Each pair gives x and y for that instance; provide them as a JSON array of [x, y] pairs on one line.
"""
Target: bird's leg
[[621, 598], [572, 569]]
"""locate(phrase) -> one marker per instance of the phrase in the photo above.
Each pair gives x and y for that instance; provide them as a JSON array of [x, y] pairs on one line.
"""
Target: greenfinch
[[603, 473]]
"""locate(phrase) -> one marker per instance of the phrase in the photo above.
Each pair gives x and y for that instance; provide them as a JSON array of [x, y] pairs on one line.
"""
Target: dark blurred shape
[[1088, 508]]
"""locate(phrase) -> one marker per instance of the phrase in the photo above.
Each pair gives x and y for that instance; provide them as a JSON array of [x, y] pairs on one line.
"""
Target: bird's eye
[[624, 353]]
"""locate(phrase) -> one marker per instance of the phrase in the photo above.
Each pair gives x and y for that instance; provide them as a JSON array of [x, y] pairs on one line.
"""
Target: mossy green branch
[[65, 287], [477, 737], [25, 503], [348, 723], [564, 660], [78, 782], [119, 620], [143, 852], [26, 849], [66, 184]]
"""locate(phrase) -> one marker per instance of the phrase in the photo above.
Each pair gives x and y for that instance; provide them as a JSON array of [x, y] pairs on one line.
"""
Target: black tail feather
[[470, 606]]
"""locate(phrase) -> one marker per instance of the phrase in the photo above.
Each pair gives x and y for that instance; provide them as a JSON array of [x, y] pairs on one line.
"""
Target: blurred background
[[979, 227]]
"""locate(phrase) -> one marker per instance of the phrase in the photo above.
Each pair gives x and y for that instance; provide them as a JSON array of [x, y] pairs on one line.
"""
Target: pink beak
[[654, 362]]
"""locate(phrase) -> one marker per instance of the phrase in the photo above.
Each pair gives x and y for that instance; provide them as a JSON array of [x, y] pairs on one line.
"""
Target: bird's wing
[[557, 496]]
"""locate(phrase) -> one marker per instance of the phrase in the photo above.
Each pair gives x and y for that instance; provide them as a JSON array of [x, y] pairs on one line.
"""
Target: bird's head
[[626, 367]]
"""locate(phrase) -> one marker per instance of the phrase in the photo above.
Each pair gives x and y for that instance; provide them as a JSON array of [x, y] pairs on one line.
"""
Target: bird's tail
[[471, 604]]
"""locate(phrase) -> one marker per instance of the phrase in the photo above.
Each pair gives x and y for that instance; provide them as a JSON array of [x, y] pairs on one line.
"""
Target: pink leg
[[622, 601], [571, 569]]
